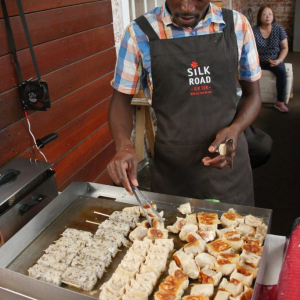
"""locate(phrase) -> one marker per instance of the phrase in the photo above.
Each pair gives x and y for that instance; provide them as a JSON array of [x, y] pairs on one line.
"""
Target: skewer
[[99, 213], [92, 222], [71, 284]]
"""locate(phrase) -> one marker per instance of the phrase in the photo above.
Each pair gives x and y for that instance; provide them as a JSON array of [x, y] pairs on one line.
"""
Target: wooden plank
[[55, 54], [82, 154], [94, 168], [104, 178], [38, 5], [56, 23], [60, 83], [74, 132], [15, 139]]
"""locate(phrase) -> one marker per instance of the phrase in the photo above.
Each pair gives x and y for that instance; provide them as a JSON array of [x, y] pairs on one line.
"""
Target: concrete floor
[[277, 183]]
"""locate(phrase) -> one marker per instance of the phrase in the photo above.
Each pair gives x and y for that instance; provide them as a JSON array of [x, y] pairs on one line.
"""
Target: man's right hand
[[123, 167]]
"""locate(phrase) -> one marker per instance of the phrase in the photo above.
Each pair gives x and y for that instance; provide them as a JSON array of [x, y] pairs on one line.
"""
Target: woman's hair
[[261, 9]]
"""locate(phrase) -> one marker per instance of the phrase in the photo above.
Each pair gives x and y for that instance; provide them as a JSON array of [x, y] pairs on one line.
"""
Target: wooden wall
[[74, 47]]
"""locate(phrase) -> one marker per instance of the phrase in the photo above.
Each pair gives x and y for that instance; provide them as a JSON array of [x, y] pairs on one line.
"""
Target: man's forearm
[[248, 107], [120, 118]]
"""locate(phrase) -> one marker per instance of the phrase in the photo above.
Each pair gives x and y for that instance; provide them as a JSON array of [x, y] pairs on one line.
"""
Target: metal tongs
[[138, 195]]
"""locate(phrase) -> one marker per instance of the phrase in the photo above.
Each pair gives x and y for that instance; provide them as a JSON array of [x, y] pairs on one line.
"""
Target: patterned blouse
[[269, 48]]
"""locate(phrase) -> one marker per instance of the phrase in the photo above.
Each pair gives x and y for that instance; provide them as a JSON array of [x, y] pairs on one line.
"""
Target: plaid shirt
[[133, 68]]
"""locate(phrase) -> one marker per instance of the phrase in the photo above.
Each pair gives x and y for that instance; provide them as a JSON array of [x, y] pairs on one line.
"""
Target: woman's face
[[267, 16]]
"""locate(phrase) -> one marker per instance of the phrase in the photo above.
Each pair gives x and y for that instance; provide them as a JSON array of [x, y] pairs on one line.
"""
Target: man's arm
[[121, 124], [247, 110]]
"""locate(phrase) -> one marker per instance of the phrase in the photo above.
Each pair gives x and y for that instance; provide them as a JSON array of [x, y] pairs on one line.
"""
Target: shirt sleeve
[[283, 34], [249, 68], [128, 70]]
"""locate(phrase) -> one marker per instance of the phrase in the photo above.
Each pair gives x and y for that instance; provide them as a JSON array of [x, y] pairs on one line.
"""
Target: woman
[[272, 46]]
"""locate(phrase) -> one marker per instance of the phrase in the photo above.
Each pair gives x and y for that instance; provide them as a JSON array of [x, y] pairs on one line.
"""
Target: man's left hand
[[220, 162]]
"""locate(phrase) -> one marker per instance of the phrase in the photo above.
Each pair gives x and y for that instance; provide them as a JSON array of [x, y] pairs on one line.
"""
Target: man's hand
[[220, 162], [123, 167]]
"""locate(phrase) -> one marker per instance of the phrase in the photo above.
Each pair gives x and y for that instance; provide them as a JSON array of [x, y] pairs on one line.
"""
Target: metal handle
[[31, 203], [46, 139]]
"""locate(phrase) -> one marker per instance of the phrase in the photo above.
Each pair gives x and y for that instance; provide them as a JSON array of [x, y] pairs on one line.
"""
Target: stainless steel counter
[[15, 286]]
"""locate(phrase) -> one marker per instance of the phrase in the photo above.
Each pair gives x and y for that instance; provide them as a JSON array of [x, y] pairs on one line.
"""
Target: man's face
[[188, 13]]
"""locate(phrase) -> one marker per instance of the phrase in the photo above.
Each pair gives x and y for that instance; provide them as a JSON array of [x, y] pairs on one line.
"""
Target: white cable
[[29, 129]]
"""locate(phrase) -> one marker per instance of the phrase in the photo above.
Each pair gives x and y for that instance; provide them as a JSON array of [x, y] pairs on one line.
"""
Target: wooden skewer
[[99, 213], [92, 222], [71, 284]]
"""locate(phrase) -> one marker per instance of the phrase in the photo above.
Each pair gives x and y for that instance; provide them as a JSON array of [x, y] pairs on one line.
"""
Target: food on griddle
[[205, 260], [186, 229], [218, 246], [86, 263], [232, 288], [253, 221], [222, 295], [246, 295], [206, 289], [133, 210], [191, 219], [185, 208], [261, 231], [165, 243], [84, 279], [76, 234], [154, 233], [192, 237], [243, 276], [150, 276], [207, 275], [195, 247], [245, 230], [224, 266], [176, 227], [100, 254], [45, 274], [207, 235], [111, 247], [196, 297], [253, 241], [60, 253], [117, 225], [231, 218], [250, 259], [233, 258], [71, 245], [124, 216], [187, 263], [111, 235], [138, 233], [141, 286], [54, 262], [173, 267], [208, 221], [248, 248], [234, 238], [242, 265]]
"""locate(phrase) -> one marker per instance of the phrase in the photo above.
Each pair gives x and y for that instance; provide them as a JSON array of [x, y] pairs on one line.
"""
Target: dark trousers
[[280, 73]]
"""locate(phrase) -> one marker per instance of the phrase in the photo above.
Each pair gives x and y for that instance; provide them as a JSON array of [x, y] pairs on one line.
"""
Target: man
[[190, 53]]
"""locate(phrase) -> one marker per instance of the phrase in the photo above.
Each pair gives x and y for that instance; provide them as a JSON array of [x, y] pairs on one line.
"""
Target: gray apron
[[194, 96]]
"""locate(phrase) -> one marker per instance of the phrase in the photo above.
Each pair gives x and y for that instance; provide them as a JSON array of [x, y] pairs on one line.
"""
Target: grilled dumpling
[[185, 208], [245, 229], [194, 248], [253, 249], [151, 277], [191, 219], [144, 223], [242, 265], [246, 295], [165, 243], [222, 295], [130, 218], [187, 229], [135, 294], [207, 235], [196, 297], [234, 238], [261, 231], [117, 280], [220, 245], [138, 233], [245, 277], [158, 249], [208, 221], [192, 237], [154, 233], [153, 267], [176, 227], [250, 259], [224, 266], [106, 295], [253, 221], [206, 289], [232, 288], [187, 263], [207, 275], [231, 219], [253, 241], [144, 286], [117, 225], [164, 296], [133, 210], [222, 231], [116, 291], [233, 258], [131, 257], [205, 260], [173, 267]]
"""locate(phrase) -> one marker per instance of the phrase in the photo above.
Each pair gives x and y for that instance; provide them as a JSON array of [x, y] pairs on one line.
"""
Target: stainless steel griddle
[[71, 209]]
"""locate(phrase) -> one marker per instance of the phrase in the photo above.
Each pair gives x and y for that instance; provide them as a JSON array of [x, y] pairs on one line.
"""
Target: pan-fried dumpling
[[253, 221], [191, 219], [187, 229], [176, 227], [195, 248], [232, 288], [151, 277], [250, 259], [246, 295], [205, 260], [218, 246], [206, 289], [192, 237], [196, 297], [231, 219], [185, 208], [208, 221], [173, 267], [144, 286], [165, 243], [207, 275], [253, 249], [138, 233], [207, 235], [154, 233], [245, 278], [106, 295], [245, 230], [133, 210], [222, 295], [187, 263]]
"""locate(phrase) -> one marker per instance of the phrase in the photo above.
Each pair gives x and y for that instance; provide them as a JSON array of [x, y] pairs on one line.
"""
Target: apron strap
[[228, 19], [146, 28]]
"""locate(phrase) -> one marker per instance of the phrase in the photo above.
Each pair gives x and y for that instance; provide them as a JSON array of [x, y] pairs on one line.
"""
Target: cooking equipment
[[71, 209], [26, 187]]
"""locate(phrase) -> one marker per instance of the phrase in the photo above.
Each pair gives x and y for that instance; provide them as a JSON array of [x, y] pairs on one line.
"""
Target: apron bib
[[194, 96]]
